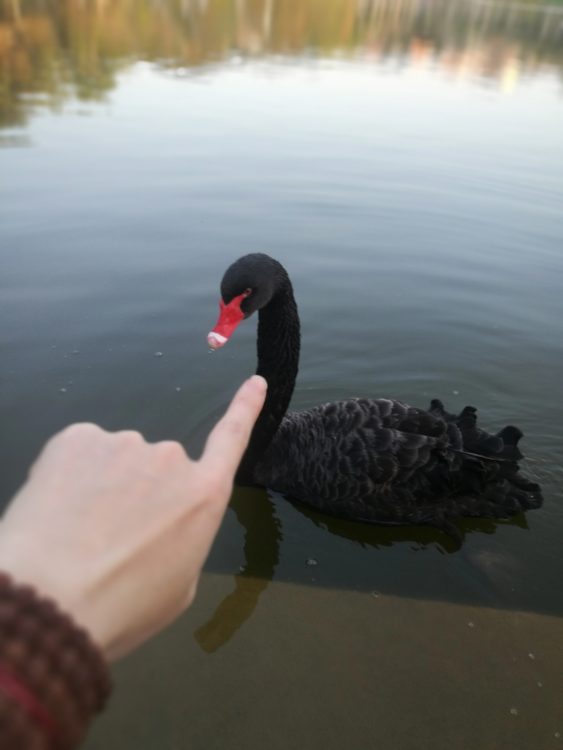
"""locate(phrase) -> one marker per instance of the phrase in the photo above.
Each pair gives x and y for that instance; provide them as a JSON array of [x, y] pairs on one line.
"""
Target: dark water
[[404, 160]]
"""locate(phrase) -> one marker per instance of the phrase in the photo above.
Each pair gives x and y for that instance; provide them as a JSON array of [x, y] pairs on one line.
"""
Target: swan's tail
[[488, 481]]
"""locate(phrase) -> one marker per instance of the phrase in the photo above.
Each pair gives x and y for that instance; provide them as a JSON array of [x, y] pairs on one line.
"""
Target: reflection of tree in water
[[49, 51], [255, 512]]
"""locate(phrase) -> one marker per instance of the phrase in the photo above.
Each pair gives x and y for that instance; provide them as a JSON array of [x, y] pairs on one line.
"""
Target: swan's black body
[[379, 460]]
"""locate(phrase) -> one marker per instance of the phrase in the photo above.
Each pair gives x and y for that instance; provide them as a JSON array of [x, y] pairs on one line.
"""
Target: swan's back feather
[[383, 461]]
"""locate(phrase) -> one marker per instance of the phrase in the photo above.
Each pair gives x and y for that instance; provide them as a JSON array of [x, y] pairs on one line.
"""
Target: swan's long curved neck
[[278, 347]]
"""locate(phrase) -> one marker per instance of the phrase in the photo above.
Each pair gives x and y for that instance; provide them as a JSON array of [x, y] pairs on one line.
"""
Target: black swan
[[373, 460]]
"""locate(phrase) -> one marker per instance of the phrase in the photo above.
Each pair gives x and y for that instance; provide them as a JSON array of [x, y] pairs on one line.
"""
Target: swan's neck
[[278, 360]]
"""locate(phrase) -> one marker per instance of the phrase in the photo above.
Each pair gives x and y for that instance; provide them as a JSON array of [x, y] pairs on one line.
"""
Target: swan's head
[[248, 285]]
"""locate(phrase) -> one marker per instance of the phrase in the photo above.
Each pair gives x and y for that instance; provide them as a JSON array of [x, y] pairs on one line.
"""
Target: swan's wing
[[345, 456], [386, 462]]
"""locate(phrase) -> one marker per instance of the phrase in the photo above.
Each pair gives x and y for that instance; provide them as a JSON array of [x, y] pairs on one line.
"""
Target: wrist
[[23, 560]]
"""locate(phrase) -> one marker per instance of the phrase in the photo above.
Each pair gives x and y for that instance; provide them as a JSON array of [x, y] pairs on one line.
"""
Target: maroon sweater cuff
[[53, 678]]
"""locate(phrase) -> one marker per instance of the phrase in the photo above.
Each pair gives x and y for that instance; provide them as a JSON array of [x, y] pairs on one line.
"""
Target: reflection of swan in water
[[421, 536], [255, 511]]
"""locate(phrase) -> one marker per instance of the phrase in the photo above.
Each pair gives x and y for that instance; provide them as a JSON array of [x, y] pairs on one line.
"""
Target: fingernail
[[259, 382]]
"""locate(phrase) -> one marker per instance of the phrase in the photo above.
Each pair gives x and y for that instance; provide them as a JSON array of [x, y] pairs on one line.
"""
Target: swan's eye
[[247, 292]]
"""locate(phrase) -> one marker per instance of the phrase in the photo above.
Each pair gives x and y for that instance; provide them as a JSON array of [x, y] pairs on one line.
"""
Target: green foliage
[[52, 51]]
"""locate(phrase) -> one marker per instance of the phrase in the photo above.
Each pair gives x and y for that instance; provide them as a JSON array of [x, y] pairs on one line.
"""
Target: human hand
[[116, 530]]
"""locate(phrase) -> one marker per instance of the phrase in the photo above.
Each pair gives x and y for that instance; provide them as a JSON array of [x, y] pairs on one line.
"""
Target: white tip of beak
[[215, 340]]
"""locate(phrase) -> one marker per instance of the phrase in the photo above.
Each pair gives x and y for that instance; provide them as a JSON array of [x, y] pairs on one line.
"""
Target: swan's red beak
[[229, 317]]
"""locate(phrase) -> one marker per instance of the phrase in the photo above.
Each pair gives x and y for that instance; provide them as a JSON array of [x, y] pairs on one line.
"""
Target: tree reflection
[[50, 51]]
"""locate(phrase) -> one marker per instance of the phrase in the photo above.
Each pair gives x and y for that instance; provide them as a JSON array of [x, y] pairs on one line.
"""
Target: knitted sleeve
[[53, 679]]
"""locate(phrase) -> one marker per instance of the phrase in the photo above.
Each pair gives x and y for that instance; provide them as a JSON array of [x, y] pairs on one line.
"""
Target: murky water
[[404, 160]]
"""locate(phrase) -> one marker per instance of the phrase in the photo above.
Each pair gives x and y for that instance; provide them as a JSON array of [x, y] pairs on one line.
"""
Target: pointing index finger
[[228, 439]]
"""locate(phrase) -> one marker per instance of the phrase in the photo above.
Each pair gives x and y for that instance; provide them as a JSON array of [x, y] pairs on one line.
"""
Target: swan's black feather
[[383, 461], [374, 460]]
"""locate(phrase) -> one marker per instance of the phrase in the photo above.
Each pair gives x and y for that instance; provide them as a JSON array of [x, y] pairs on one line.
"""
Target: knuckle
[[81, 429], [170, 451], [75, 436], [75, 439], [129, 438]]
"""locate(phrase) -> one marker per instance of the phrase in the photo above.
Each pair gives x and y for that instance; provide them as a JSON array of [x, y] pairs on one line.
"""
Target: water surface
[[404, 161]]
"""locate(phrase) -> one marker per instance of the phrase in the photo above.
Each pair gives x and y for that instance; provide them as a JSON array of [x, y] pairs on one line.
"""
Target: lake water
[[404, 160]]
